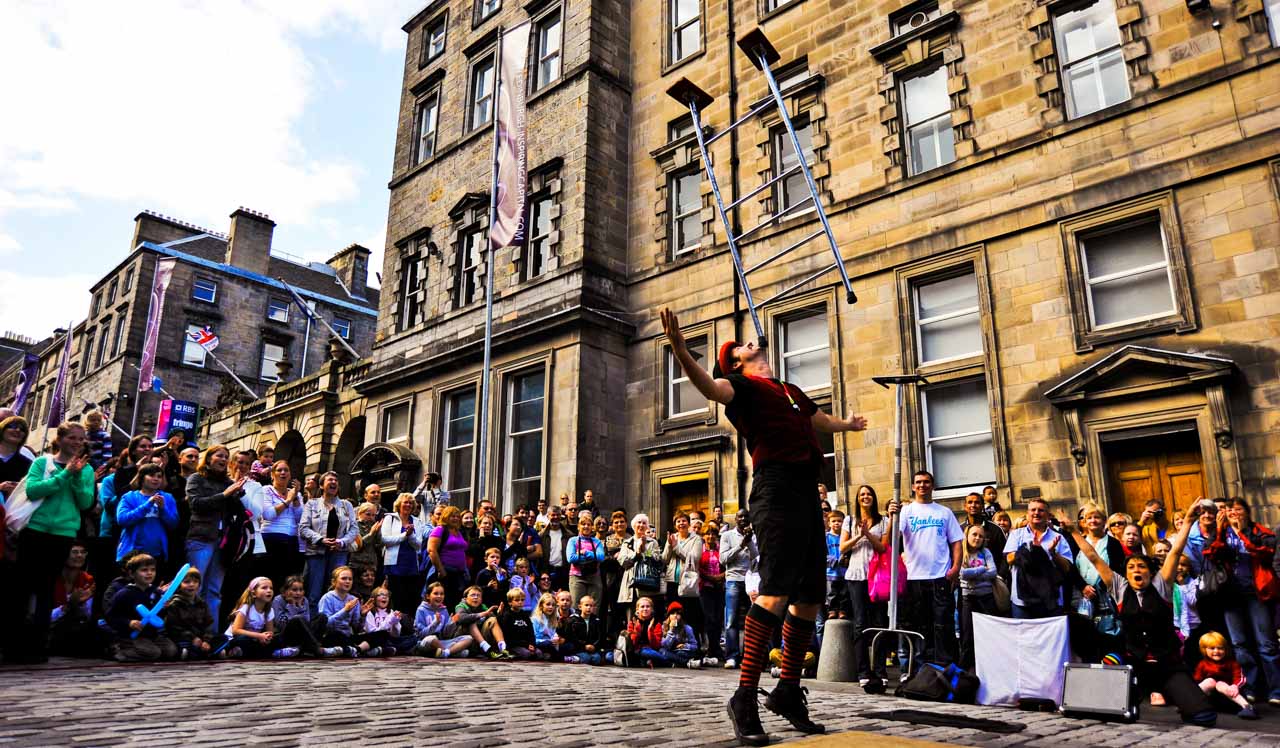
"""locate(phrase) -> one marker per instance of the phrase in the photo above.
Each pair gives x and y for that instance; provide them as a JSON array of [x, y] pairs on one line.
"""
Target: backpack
[[950, 684], [620, 650], [238, 537], [880, 576]]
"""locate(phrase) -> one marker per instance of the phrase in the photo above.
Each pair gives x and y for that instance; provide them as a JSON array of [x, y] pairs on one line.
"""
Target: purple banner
[[511, 176], [26, 379], [159, 286], [58, 403]]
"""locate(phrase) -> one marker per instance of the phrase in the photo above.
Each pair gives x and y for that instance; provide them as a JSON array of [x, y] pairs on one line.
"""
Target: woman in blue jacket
[[146, 515]]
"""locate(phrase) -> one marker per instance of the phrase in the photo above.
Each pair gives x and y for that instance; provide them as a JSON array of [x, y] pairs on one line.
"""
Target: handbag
[[19, 508], [1000, 590], [648, 574], [880, 574], [1217, 586]]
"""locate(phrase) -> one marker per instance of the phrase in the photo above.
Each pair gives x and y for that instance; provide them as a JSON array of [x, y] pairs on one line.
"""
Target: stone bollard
[[836, 662]]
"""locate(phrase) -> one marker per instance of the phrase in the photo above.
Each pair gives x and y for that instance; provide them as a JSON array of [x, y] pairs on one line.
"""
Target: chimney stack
[[352, 267], [250, 245]]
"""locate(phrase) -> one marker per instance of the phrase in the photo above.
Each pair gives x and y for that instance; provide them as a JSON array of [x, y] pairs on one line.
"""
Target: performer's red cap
[[725, 359]]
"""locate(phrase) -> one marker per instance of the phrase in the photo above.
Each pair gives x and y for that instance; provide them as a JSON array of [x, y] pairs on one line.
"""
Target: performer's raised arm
[[713, 389]]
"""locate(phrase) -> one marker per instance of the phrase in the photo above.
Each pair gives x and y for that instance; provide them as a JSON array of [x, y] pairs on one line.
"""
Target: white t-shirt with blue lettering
[[928, 530]]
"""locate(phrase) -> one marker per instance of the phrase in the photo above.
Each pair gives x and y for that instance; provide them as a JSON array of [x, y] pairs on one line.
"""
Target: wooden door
[[684, 496], [1168, 468]]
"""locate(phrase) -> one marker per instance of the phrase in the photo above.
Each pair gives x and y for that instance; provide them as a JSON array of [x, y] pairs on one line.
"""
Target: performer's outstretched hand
[[671, 326], [855, 422]]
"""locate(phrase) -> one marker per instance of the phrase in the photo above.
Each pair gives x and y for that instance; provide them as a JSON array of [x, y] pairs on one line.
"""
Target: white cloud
[[8, 244], [187, 108], [35, 304]]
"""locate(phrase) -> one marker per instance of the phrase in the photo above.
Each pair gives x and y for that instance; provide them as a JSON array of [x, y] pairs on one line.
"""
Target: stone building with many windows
[[1063, 215]]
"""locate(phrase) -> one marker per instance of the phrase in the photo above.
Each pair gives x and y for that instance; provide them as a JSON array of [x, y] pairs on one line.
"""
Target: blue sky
[[189, 109]]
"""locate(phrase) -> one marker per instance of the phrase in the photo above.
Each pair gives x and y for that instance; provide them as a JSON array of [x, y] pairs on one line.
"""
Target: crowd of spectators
[[279, 566]]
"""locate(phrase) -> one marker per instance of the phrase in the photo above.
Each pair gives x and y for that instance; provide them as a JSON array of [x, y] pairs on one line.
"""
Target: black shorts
[[787, 519]]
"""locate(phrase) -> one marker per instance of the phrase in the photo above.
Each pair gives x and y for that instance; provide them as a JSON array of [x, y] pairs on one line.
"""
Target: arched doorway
[[350, 443], [393, 467], [293, 450]]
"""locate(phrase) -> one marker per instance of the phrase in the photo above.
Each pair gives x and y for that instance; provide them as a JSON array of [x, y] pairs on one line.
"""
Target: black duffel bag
[[948, 684]]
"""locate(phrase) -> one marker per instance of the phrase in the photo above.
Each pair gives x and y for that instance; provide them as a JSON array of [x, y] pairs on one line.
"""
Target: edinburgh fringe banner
[[159, 286], [58, 403], [512, 180]]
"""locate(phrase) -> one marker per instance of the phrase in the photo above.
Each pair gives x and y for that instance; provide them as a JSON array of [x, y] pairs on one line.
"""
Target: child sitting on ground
[[382, 626], [586, 633], [188, 622], [518, 628], [437, 634], [480, 620], [294, 626], [546, 624], [526, 582], [253, 624], [150, 644], [1219, 673], [645, 635], [366, 581], [343, 614], [679, 643]]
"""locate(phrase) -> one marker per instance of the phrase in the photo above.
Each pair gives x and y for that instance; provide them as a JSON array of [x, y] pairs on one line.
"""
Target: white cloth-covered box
[[1019, 659]]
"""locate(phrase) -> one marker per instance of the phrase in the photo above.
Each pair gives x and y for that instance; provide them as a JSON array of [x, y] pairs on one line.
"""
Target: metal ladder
[[762, 54]]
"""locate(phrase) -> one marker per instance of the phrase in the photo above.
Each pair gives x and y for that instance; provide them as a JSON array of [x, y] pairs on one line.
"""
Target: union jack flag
[[204, 338]]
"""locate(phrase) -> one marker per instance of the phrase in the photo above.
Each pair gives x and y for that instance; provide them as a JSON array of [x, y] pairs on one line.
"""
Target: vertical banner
[[58, 402], [164, 273], [26, 379], [511, 174]]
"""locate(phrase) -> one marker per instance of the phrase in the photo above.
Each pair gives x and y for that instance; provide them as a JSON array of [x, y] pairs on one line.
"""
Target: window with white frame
[[1092, 64], [535, 259], [277, 310], [686, 28], [117, 340], [128, 280], [547, 40], [470, 255], [271, 354], [459, 440], [524, 442], [805, 347], [204, 290], [342, 327], [685, 188], [948, 319], [914, 19], [97, 304], [957, 426], [679, 128], [926, 114], [112, 290], [413, 284], [1126, 274], [1273, 20], [193, 354], [683, 398], [791, 195], [486, 8], [433, 39], [480, 93], [427, 117], [395, 423]]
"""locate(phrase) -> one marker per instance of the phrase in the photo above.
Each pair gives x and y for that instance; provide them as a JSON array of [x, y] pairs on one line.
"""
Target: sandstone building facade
[[1064, 215]]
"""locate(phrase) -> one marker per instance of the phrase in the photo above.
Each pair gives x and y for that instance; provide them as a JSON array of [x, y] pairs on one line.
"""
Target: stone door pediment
[[1138, 371]]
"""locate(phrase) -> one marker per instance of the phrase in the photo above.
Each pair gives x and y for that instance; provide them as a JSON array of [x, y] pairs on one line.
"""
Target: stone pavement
[[470, 704]]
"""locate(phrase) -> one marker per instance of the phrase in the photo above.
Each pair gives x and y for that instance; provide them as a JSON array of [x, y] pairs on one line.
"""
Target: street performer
[[779, 423]]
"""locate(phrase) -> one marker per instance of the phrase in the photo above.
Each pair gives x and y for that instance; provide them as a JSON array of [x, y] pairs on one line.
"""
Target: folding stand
[[761, 53], [895, 551]]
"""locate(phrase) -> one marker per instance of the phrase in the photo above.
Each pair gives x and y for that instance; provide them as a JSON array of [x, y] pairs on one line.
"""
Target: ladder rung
[[768, 221], [761, 264], [764, 186], [751, 113], [793, 287]]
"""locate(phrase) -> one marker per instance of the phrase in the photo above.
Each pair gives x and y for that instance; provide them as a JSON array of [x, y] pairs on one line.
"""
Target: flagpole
[[163, 391], [239, 381], [298, 297], [483, 453]]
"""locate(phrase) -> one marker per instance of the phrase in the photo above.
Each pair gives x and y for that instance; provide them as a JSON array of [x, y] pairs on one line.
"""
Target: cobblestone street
[[410, 701]]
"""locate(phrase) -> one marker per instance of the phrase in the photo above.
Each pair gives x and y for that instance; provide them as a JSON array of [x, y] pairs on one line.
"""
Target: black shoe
[[744, 715], [789, 701]]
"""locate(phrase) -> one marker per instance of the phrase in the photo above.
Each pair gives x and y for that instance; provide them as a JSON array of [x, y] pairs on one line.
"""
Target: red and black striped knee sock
[[797, 634], [757, 632]]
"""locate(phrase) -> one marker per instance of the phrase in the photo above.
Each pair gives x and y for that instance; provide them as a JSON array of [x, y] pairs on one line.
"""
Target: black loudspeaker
[[1100, 692]]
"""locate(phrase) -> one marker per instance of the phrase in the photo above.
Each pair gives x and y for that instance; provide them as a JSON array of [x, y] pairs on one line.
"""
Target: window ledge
[[685, 420], [673, 66], [1090, 340], [769, 15]]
